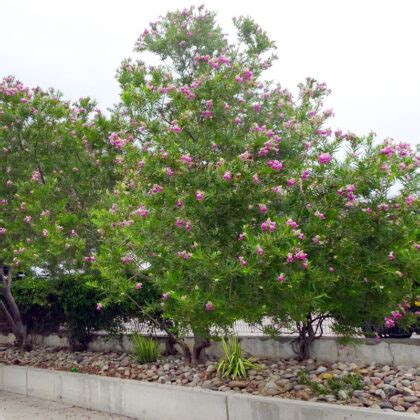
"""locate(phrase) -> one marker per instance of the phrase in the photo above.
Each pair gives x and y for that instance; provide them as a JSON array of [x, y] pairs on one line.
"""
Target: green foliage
[[348, 383], [211, 155], [234, 365], [70, 302], [145, 350]]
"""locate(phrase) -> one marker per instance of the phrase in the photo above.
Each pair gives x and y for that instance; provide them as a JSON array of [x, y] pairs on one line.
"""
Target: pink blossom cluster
[[184, 255], [141, 211], [268, 226]]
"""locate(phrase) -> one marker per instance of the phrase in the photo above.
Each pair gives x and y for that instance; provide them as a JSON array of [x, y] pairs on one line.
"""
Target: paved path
[[20, 407]]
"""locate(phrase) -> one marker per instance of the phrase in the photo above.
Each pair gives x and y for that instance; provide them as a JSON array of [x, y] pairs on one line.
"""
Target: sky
[[367, 51]]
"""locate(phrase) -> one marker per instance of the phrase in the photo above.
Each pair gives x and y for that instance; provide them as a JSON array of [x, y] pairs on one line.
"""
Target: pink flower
[[389, 322], [199, 195], [281, 278], [331, 269], [255, 179], [241, 237], [324, 158], [165, 296], [90, 258], [259, 250], [262, 208], [179, 204], [315, 239], [290, 258], [209, 306], [113, 209], [175, 127], [138, 286], [388, 151], [184, 255], [391, 256], [3, 231], [291, 182], [187, 159], [117, 141], [243, 261], [36, 176], [27, 219], [247, 75], [305, 174], [300, 255], [396, 315], [141, 211], [268, 226], [179, 223], [320, 215], [227, 176], [409, 200], [126, 259], [207, 114], [44, 233], [155, 189], [275, 165], [99, 307], [169, 171], [292, 224]]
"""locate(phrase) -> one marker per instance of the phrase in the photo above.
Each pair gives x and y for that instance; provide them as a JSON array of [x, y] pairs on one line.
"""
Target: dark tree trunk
[[201, 342], [307, 335], [173, 339], [12, 311], [170, 349]]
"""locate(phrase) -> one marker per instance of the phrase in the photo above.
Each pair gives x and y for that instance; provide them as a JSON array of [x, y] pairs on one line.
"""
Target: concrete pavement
[[20, 407]]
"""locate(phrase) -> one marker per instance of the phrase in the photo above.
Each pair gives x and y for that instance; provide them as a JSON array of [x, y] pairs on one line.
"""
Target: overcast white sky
[[367, 51]]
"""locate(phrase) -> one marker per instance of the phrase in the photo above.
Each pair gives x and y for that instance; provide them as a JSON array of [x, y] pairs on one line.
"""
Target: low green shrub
[[234, 364], [47, 304], [145, 350], [348, 383]]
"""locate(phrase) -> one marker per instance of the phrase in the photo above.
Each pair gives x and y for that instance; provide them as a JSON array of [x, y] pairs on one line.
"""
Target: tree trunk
[[172, 338], [302, 344], [170, 349], [201, 342], [12, 311]]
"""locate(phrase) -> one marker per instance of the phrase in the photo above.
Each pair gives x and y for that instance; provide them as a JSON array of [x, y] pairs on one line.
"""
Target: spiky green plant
[[145, 350], [234, 364]]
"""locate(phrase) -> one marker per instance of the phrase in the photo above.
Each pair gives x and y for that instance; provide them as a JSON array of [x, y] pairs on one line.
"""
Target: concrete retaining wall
[[149, 401], [390, 351]]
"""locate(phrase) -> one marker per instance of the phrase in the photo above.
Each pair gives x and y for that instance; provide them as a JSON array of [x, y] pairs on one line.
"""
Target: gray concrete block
[[406, 354], [14, 379], [147, 401], [41, 383], [244, 407]]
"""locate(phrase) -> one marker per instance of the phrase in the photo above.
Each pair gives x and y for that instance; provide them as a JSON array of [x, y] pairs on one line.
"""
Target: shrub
[[348, 382], [145, 350], [238, 200], [70, 302], [234, 365]]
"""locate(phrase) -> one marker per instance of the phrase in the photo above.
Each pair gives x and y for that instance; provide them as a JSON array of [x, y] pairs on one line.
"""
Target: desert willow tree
[[232, 200], [208, 152], [55, 162]]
